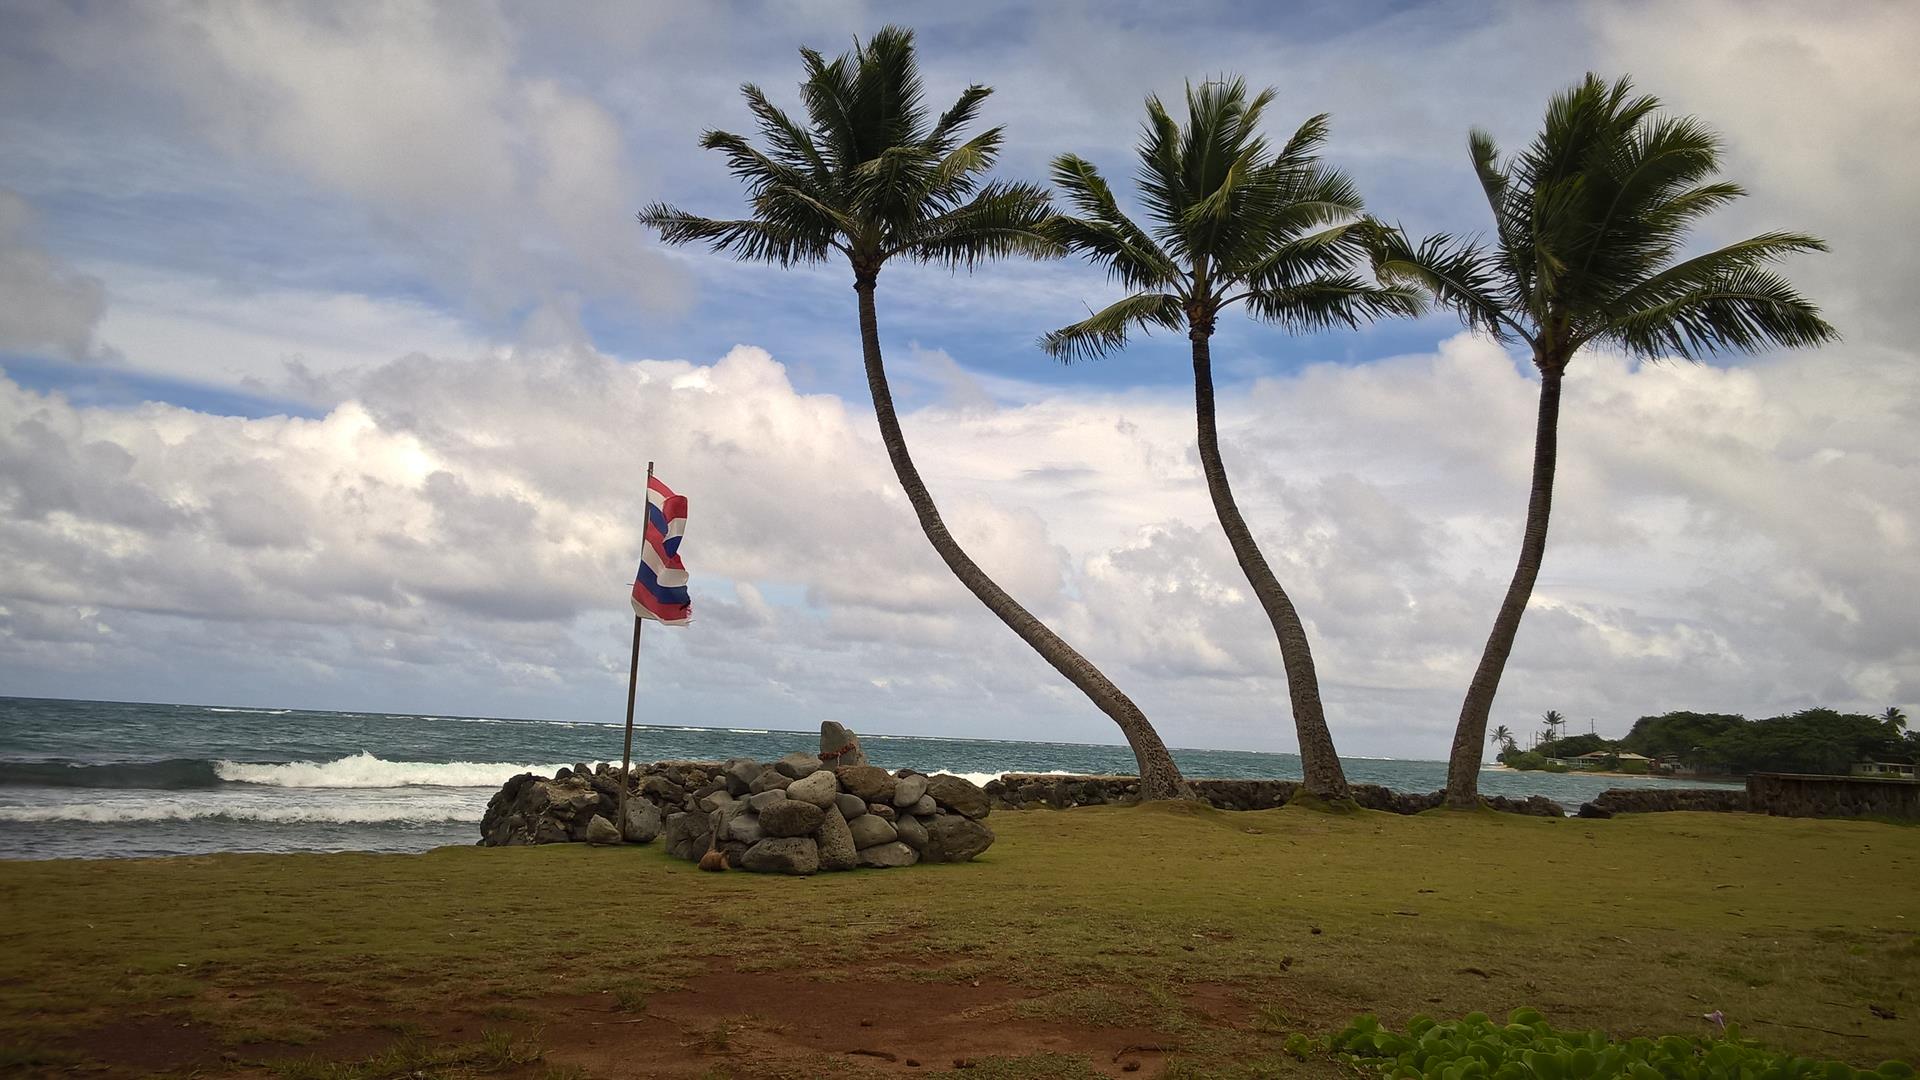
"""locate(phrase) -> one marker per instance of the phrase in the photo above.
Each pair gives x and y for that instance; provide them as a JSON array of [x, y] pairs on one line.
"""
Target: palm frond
[[748, 240], [1745, 310], [1457, 272], [1003, 219], [1106, 330], [1332, 300]]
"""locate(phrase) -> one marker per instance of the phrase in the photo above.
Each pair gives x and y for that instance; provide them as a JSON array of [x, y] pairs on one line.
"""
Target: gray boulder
[[871, 829], [662, 790], [835, 840], [882, 811], [689, 835], [797, 765], [925, 807], [817, 787], [745, 829], [791, 818], [765, 799], [909, 789], [888, 855], [643, 821], [713, 800], [839, 745], [952, 838], [959, 795], [912, 833], [797, 855], [740, 774], [770, 779], [851, 805], [602, 831], [871, 784]]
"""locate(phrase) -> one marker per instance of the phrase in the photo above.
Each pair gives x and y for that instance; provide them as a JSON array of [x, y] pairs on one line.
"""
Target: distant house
[[1890, 769], [1599, 757]]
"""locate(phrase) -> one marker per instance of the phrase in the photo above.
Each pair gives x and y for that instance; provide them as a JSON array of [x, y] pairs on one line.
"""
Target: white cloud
[[472, 522], [49, 308]]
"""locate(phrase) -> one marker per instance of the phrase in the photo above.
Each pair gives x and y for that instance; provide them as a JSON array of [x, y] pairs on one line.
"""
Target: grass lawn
[[1158, 940]]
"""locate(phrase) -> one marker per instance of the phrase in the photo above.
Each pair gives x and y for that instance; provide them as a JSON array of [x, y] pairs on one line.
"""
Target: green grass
[[1096, 916]]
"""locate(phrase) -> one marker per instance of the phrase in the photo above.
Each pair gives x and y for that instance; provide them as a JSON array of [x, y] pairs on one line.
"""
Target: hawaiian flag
[[660, 587]]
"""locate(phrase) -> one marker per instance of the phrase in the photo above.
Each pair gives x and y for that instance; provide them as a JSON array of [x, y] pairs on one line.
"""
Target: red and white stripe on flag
[[660, 585]]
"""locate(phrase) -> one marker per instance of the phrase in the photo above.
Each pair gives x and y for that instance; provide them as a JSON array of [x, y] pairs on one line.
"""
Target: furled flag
[[660, 587]]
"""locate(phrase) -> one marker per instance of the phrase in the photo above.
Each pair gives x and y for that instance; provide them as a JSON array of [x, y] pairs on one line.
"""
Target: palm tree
[[1504, 736], [1232, 221], [1895, 719], [1553, 720], [866, 177], [1589, 223]]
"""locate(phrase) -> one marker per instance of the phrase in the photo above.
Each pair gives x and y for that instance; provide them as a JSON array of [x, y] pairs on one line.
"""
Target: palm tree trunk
[[1159, 777], [1463, 768], [1319, 762]]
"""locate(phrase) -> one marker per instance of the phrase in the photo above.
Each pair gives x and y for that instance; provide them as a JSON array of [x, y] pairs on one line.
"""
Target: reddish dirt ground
[[748, 1024]]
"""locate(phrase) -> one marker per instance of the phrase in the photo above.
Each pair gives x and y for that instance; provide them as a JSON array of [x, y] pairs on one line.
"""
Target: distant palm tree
[[1895, 720], [866, 177], [1553, 720], [1589, 222], [1233, 221], [1504, 736]]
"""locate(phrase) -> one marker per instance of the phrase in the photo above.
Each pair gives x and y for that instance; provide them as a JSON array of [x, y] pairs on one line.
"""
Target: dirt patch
[[782, 1024]]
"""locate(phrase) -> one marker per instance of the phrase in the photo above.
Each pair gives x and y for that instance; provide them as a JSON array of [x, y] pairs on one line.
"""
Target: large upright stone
[[818, 788], [791, 818], [839, 746], [959, 795], [871, 784], [835, 841]]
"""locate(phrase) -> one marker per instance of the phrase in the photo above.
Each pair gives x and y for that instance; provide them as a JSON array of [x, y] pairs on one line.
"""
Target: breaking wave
[[363, 770]]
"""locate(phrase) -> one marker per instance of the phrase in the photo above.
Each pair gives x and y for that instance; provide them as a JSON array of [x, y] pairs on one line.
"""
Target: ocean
[[101, 779]]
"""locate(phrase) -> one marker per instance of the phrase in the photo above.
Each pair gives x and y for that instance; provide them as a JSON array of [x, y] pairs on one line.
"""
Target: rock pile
[[793, 816]]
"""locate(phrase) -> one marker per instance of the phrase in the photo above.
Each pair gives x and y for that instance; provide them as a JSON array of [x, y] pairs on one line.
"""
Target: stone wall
[[1795, 795], [793, 816], [1657, 800], [1024, 791]]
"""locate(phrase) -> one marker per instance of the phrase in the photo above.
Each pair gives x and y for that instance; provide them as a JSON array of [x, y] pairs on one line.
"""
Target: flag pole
[[633, 669]]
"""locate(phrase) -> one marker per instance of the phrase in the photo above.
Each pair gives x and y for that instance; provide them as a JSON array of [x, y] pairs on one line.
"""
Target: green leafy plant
[[1526, 1047]]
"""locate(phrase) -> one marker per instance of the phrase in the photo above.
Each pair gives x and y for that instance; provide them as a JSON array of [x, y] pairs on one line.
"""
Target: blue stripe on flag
[[657, 519], [662, 593]]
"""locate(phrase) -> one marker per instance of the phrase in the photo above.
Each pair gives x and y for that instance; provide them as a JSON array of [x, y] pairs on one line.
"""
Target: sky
[[331, 356]]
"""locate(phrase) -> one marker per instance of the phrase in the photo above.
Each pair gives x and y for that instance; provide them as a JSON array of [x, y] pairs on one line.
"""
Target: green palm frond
[[1339, 300], [864, 173], [1232, 221], [1003, 219], [1590, 221], [1106, 330], [749, 240]]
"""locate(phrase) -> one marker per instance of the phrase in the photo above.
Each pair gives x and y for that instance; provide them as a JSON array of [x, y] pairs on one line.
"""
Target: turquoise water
[[116, 779]]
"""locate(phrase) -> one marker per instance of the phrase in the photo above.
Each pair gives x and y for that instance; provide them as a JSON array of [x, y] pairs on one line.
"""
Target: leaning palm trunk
[[1159, 777], [1319, 762], [1463, 767]]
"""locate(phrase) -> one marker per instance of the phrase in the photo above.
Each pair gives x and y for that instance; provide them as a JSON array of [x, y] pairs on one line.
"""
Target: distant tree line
[[1809, 741]]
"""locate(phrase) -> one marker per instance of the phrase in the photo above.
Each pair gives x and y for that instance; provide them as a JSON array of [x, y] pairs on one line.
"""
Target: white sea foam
[[282, 811], [363, 770], [254, 712]]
